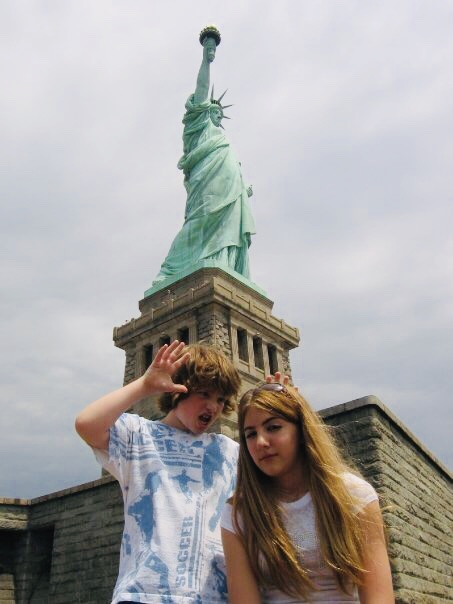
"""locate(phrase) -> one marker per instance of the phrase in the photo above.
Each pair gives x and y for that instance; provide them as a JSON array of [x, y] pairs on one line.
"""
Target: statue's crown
[[218, 103]]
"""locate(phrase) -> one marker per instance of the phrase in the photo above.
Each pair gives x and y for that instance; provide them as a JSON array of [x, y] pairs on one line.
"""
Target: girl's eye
[[250, 435], [273, 427]]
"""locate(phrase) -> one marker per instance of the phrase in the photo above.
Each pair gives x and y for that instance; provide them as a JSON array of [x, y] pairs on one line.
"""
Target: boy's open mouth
[[205, 418]]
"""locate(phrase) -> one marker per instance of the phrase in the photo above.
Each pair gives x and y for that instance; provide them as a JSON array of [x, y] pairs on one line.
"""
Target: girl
[[301, 527]]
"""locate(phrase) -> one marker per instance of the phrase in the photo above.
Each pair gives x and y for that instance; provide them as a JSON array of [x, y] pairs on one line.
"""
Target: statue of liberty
[[218, 222]]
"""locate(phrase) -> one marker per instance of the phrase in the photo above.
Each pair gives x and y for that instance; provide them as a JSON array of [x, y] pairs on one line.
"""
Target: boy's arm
[[94, 422]]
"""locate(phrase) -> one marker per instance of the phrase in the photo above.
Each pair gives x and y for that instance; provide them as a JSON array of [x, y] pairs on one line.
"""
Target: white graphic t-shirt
[[174, 486], [300, 523]]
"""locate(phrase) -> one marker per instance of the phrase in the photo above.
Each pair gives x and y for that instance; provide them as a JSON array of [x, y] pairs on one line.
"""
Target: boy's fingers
[[160, 353], [185, 357], [179, 388], [179, 348], [168, 352], [172, 348], [274, 379]]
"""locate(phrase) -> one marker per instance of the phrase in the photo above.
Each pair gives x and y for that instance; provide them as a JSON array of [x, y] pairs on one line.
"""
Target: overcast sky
[[343, 123]]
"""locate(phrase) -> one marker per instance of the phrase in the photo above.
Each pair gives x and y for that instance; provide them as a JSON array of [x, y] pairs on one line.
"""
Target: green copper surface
[[204, 264], [218, 221]]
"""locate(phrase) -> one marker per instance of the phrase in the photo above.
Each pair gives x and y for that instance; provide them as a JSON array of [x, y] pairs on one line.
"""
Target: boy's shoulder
[[158, 429], [226, 441]]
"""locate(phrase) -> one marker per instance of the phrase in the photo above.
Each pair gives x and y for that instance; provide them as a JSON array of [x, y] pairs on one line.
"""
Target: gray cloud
[[341, 120]]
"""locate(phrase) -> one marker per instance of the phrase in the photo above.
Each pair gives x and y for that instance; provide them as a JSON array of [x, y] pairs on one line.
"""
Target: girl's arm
[[242, 586], [377, 581]]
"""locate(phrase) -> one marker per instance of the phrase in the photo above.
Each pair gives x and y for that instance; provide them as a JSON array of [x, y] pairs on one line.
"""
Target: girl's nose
[[261, 440]]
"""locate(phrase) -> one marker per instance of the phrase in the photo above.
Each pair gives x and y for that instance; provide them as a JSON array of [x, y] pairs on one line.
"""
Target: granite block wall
[[70, 550], [416, 494]]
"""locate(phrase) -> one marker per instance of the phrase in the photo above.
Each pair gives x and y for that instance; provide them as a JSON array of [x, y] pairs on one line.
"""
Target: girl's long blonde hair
[[258, 516]]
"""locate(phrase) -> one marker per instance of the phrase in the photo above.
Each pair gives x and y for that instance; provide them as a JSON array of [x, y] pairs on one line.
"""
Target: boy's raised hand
[[94, 422], [158, 377]]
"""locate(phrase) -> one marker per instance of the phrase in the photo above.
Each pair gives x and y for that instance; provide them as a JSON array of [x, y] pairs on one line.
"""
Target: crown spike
[[226, 106], [220, 98]]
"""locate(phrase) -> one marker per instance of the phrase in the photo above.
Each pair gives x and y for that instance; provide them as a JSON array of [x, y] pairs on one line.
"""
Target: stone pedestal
[[212, 307]]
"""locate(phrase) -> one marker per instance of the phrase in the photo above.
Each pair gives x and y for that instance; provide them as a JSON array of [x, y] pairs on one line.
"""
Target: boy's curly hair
[[207, 369]]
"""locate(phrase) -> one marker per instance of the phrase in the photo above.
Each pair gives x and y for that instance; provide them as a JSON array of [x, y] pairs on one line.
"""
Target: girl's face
[[274, 445]]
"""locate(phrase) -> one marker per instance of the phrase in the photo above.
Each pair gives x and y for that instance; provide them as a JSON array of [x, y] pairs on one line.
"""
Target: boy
[[174, 476]]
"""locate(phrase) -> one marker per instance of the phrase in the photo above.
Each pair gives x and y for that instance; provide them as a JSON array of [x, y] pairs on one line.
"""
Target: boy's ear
[[176, 397]]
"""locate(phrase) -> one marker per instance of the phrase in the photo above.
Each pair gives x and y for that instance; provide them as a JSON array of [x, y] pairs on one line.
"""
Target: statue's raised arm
[[218, 222], [209, 43]]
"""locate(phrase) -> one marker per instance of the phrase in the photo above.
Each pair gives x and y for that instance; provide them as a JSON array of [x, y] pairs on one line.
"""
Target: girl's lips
[[269, 456]]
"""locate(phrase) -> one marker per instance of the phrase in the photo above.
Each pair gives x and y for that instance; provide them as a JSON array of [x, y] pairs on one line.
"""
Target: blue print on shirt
[[126, 544], [183, 480], [219, 578], [215, 518], [143, 513], [143, 509], [212, 463], [155, 564]]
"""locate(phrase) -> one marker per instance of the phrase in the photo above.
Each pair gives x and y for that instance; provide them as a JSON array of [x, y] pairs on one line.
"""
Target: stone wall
[[416, 495], [64, 547], [70, 549]]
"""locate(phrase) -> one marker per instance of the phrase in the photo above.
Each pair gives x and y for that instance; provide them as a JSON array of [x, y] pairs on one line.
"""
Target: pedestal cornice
[[205, 286]]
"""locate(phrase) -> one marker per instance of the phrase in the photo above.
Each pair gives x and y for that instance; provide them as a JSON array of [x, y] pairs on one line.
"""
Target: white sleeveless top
[[300, 523]]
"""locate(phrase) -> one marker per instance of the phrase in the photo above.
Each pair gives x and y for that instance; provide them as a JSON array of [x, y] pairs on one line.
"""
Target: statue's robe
[[218, 220]]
